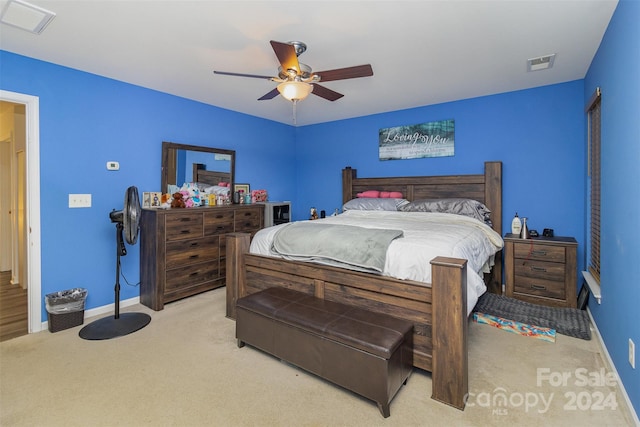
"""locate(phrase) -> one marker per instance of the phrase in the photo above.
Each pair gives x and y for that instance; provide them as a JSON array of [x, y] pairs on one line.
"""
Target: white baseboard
[[109, 308], [613, 367]]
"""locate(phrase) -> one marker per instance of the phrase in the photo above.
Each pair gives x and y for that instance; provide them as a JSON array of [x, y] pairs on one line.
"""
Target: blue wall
[[87, 120], [616, 69], [538, 134]]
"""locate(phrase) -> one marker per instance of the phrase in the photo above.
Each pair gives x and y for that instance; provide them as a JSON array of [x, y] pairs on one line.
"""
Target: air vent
[[541, 63], [26, 16]]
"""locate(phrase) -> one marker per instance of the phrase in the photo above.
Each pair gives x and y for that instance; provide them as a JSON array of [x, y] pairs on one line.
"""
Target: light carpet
[[185, 369]]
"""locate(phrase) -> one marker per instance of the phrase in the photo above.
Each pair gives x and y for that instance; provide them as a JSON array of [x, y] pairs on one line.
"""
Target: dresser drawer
[[182, 253], [248, 220], [181, 277], [184, 226], [541, 287], [539, 252], [218, 222]]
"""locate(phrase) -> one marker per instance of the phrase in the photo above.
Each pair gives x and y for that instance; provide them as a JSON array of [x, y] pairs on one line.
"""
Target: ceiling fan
[[297, 80]]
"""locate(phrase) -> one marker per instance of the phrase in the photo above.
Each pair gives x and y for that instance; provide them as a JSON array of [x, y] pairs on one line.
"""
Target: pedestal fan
[[127, 223]]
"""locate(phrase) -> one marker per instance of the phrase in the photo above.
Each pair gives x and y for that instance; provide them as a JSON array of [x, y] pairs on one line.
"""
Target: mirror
[[192, 163]]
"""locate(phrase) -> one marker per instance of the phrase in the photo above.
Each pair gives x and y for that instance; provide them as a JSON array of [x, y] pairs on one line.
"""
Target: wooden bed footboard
[[438, 311]]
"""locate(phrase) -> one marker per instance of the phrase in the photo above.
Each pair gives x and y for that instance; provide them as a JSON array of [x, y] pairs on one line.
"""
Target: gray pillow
[[467, 207], [369, 204]]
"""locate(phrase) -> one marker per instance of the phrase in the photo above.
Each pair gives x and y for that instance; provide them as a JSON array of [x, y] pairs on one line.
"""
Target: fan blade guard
[[131, 215]]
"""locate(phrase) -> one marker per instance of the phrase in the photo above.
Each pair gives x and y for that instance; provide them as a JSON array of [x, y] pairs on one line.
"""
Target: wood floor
[[13, 308]]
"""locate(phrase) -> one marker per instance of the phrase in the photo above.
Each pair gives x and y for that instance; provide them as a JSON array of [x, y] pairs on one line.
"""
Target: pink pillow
[[384, 194], [371, 194], [223, 184], [395, 195]]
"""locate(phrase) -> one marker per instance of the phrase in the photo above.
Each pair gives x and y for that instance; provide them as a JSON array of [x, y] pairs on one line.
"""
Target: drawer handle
[[194, 256], [534, 268], [194, 244], [539, 287], [539, 253], [184, 231], [193, 274]]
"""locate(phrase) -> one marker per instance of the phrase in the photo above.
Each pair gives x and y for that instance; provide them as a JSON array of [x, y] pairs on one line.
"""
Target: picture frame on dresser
[[245, 188]]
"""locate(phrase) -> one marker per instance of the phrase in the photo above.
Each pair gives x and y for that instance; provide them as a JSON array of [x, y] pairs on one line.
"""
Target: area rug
[[566, 321], [545, 334]]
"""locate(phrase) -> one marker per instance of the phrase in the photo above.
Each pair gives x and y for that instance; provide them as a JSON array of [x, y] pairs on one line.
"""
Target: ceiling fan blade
[[269, 95], [286, 54], [225, 73], [345, 73], [325, 93]]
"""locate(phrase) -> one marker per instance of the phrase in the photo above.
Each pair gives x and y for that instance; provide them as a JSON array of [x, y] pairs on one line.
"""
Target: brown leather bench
[[365, 352]]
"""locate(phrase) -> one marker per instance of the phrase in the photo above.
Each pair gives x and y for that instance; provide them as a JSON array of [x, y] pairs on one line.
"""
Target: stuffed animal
[[177, 201], [190, 194]]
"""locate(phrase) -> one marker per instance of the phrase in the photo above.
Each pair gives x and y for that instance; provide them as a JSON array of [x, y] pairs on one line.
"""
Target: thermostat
[[113, 166]]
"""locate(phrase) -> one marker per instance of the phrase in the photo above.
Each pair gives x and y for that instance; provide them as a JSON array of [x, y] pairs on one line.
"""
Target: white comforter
[[426, 236]]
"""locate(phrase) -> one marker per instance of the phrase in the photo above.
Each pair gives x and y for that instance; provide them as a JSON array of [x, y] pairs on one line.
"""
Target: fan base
[[110, 327]]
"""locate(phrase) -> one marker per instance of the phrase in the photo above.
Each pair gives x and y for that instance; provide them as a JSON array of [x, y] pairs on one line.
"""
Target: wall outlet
[[632, 354], [79, 200]]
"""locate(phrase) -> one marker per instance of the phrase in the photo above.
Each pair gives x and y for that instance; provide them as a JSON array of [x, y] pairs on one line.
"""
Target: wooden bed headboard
[[200, 174], [486, 188]]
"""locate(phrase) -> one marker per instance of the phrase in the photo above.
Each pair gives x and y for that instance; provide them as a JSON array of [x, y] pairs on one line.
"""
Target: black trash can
[[65, 309]]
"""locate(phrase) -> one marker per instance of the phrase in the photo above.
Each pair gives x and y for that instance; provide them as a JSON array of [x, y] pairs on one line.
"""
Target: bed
[[438, 310], [211, 178]]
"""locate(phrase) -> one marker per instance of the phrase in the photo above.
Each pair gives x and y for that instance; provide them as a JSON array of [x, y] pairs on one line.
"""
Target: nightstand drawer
[[540, 269], [539, 252], [540, 287]]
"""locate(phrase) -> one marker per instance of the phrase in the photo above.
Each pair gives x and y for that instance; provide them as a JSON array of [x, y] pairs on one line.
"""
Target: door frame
[[34, 262]]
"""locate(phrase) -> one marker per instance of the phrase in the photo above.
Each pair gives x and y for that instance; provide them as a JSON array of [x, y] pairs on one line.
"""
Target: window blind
[[593, 110]]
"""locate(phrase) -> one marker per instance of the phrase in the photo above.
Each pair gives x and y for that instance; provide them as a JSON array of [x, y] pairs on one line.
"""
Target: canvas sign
[[433, 139]]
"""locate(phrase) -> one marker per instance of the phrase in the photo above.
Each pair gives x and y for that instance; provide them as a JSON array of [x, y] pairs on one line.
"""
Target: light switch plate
[[79, 200]]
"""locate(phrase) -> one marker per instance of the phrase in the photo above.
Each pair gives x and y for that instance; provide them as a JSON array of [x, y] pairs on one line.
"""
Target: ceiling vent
[[541, 63], [26, 16]]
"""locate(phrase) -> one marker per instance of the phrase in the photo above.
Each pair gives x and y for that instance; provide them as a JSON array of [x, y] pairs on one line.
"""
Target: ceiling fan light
[[295, 91]]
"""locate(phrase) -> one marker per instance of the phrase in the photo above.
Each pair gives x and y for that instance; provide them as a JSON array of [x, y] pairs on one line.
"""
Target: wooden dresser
[[542, 270], [183, 251]]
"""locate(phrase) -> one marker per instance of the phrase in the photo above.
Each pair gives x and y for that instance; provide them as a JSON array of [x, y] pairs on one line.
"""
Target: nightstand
[[542, 270], [276, 213]]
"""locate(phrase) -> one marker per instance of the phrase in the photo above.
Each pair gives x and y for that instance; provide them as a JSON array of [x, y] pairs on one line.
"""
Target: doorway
[[20, 124]]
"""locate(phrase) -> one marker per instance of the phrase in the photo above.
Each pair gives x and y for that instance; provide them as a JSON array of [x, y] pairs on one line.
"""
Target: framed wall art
[[433, 139]]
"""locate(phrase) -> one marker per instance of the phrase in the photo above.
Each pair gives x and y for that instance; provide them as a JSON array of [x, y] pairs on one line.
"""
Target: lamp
[[295, 90]]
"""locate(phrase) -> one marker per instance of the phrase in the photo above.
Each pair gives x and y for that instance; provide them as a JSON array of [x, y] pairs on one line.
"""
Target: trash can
[[65, 309]]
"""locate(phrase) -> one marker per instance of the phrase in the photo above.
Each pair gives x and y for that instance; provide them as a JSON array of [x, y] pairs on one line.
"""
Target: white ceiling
[[422, 52]]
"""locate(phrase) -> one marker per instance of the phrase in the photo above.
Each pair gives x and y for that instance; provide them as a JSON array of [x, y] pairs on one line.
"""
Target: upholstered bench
[[365, 352]]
